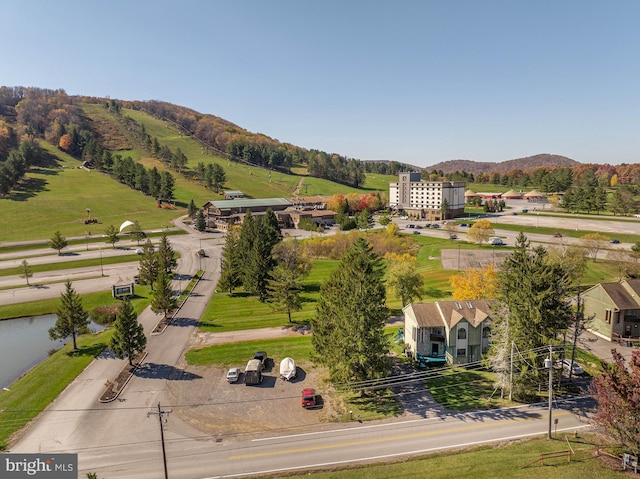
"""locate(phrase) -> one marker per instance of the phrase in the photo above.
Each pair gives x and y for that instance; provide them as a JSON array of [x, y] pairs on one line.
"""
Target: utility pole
[[550, 360], [511, 373], [161, 415]]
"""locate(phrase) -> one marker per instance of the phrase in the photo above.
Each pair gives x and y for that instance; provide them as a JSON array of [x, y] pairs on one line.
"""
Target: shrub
[[105, 315]]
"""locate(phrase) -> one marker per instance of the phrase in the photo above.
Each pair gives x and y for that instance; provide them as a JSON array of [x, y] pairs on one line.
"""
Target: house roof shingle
[[450, 313]]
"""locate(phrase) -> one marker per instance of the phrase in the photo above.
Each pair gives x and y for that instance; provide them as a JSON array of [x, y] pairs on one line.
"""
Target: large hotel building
[[423, 199]]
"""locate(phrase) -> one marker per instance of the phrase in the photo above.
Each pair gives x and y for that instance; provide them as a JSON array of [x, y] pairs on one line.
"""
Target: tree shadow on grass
[[311, 288], [93, 350], [435, 293], [28, 188]]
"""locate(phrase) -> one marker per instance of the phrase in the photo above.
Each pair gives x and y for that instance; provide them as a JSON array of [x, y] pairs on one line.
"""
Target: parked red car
[[308, 398]]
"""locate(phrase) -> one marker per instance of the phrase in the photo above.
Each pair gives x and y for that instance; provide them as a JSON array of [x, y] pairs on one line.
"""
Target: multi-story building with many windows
[[424, 199]]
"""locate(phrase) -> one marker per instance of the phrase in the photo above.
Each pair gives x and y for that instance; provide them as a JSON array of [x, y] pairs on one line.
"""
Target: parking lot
[[211, 405]]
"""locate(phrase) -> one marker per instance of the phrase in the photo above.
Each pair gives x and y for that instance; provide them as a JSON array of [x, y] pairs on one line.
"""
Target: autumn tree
[[351, 314], [403, 277], [475, 283], [480, 232], [65, 142], [72, 318], [58, 242], [393, 229], [128, 334], [592, 243], [615, 390]]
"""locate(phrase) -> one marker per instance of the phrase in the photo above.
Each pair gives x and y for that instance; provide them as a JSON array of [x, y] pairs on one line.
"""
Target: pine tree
[[72, 318], [348, 328], [192, 209], [163, 299], [533, 294], [149, 265], [260, 263], [58, 242], [230, 276], [201, 223], [128, 336], [166, 257]]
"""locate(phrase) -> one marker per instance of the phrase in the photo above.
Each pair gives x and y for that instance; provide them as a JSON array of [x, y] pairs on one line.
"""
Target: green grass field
[[517, 460]]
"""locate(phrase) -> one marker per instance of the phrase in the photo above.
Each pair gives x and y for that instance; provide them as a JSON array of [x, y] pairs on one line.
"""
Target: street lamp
[[88, 236], [458, 257], [101, 270]]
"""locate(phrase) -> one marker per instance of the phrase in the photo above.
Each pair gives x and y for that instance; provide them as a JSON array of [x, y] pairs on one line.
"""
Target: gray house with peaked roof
[[615, 308], [457, 330]]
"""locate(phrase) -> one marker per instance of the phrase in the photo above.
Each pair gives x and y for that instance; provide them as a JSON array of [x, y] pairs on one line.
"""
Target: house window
[[607, 316], [461, 352], [414, 333], [486, 332], [462, 333]]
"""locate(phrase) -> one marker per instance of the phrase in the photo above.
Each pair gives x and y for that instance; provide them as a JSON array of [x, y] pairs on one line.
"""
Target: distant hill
[[528, 163]]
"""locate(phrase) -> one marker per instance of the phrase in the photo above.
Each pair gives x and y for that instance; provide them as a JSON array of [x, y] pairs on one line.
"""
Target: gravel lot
[[210, 405]]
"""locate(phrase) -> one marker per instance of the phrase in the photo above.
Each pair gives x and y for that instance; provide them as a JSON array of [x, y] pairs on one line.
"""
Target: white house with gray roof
[[456, 330]]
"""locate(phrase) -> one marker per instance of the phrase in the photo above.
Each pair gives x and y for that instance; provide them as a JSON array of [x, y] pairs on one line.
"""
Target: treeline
[[549, 180], [387, 167]]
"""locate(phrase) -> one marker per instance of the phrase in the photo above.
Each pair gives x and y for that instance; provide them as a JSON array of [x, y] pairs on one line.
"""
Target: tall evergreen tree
[[163, 299], [218, 177], [535, 308], [149, 265], [192, 209], [261, 262], [348, 328], [128, 336], [201, 223], [166, 257], [230, 276], [72, 318], [270, 227]]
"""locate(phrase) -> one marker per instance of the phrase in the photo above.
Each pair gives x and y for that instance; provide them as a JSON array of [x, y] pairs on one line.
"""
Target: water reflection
[[24, 342]]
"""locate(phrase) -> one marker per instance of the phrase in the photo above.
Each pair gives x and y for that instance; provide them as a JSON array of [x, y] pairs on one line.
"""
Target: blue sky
[[413, 81]]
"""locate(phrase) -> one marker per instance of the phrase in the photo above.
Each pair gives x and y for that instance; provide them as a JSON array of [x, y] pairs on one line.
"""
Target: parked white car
[[233, 375], [567, 365]]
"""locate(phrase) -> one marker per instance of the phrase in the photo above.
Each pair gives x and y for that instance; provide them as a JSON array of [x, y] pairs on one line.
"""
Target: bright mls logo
[[49, 466]]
